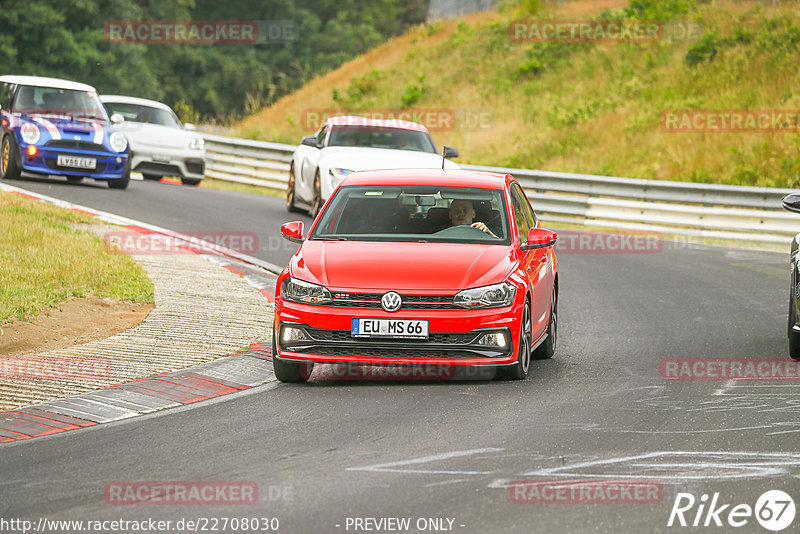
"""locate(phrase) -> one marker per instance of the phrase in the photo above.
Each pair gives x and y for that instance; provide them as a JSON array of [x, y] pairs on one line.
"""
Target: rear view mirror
[[293, 231], [449, 152], [309, 140], [792, 202], [540, 238]]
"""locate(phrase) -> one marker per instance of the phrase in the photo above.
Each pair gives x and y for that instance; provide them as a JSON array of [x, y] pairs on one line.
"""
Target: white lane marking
[[706, 466], [392, 467], [446, 482]]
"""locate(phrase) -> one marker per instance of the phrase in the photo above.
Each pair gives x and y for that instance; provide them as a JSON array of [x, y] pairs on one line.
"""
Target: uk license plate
[[76, 162], [390, 328]]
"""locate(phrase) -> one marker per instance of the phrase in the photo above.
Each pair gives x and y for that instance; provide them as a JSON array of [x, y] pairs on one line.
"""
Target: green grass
[[584, 107], [241, 188], [44, 261]]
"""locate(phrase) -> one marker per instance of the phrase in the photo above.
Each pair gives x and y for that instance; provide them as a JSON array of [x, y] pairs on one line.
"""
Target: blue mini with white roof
[[58, 127]]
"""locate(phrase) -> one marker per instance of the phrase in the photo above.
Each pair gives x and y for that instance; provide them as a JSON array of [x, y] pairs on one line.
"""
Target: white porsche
[[345, 144], [160, 144]]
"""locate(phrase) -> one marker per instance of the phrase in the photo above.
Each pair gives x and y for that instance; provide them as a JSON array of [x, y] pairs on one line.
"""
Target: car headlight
[[118, 142], [494, 296], [30, 133], [304, 292], [340, 174], [197, 143]]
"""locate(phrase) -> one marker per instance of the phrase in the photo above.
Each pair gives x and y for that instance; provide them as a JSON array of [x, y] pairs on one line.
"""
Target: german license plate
[[163, 158], [76, 162], [391, 328]]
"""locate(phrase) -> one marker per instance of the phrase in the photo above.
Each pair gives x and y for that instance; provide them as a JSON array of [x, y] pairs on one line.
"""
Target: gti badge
[[391, 301]]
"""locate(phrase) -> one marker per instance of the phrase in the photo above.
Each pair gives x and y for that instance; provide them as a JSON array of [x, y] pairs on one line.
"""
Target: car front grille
[[410, 302], [82, 145], [161, 169], [328, 342]]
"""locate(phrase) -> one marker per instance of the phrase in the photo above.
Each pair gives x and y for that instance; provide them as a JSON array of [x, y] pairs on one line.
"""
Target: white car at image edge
[[345, 144], [160, 144]]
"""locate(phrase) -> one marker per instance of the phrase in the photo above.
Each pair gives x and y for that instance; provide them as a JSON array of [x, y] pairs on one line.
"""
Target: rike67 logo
[[774, 510]]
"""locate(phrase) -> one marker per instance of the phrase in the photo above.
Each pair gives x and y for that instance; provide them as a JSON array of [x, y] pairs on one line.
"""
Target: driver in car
[[462, 212]]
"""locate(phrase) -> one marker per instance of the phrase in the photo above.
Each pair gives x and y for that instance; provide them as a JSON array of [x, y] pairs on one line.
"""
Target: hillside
[[599, 107]]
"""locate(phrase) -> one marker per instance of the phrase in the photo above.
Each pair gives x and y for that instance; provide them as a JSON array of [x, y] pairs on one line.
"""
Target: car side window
[[523, 226], [6, 95], [321, 136], [526, 206]]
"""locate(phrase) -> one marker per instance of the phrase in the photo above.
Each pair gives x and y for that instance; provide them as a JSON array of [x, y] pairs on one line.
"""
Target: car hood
[[155, 136], [64, 127], [364, 159], [360, 265]]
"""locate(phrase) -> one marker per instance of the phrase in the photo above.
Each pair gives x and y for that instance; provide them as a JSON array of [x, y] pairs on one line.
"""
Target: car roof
[[356, 120], [437, 177], [41, 81], [118, 99]]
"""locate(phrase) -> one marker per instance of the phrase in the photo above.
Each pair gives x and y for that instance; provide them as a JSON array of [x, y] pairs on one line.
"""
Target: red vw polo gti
[[419, 267]]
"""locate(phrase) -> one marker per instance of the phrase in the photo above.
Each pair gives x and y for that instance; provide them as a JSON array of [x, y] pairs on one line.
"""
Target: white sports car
[[160, 144], [346, 144]]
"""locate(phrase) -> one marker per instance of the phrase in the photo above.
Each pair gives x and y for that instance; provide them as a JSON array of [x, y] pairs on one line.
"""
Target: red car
[[419, 266]]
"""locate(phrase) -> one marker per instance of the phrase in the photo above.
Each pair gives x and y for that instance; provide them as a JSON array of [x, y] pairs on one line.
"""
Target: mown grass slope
[[591, 107]]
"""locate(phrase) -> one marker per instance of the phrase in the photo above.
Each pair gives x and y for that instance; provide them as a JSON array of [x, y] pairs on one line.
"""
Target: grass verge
[[44, 261]]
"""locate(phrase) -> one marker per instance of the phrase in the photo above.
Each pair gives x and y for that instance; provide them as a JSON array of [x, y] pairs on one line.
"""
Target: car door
[[309, 161], [535, 262], [6, 97]]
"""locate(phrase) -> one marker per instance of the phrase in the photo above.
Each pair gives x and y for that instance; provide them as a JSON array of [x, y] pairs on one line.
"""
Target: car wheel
[[293, 373], [122, 183], [74, 179], [794, 337], [548, 347], [190, 181], [151, 176], [9, 168], [519, 371], [290, 206], [316, 203]]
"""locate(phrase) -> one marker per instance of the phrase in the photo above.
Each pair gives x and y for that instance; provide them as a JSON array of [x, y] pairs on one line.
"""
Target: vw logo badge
[[391, 301]]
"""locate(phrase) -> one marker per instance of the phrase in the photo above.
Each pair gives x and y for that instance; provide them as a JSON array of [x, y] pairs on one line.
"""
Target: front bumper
[[110, 165], [453, 336], [169, 162]]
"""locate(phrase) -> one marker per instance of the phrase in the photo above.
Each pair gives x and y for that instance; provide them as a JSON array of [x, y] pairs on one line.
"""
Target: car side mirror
[[189, 126], [792, 202], [293, 231], [449, 152], [540, 238], [310, 140], [117, 119]]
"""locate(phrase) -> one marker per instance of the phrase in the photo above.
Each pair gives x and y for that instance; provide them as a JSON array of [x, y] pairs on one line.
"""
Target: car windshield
[[382, 137], [415, 214], [53, 101], [146, 114]]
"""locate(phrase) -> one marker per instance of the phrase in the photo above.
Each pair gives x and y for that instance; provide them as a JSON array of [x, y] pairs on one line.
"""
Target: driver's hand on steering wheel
[[482, 227]]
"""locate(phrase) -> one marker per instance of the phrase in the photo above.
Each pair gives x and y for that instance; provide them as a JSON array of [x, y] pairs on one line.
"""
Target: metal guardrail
[[683, 208]]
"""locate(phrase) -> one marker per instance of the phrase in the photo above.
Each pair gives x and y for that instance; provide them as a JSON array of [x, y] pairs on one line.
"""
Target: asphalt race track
[[330, 452]]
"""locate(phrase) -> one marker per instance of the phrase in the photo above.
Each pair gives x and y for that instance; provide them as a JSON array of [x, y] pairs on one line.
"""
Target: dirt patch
[[77, 321]]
